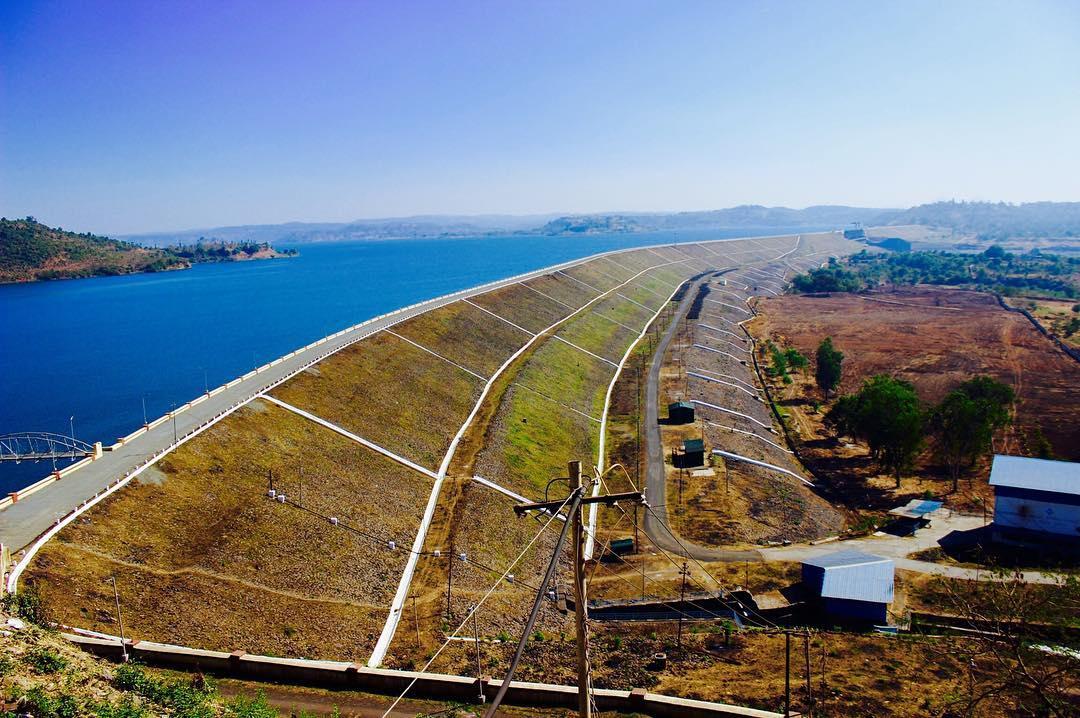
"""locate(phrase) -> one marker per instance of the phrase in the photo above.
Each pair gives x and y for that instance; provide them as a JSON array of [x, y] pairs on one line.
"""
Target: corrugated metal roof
[[680, 405], [856, 576], [693, 445], [916, 508], [1020, 472]]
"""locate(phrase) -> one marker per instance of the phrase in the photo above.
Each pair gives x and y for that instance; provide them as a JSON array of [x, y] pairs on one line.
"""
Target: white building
[[1035, 499]]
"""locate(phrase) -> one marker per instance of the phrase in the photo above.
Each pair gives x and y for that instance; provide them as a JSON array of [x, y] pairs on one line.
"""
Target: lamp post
[[144, 420], [173, 412]]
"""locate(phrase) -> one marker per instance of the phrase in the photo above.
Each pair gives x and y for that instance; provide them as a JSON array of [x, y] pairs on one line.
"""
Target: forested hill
[[31, 251], [997, 220]]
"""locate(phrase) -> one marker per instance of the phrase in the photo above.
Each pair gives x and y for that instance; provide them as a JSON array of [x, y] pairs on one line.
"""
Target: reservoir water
[[98, 349]]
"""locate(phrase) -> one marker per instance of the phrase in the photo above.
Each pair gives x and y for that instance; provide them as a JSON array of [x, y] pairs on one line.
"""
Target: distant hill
[[997, 220], [743, 216], [417, 227], [31, 251]]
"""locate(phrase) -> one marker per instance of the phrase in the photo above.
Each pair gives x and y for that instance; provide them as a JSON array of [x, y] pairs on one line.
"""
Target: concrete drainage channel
[[337, 675]]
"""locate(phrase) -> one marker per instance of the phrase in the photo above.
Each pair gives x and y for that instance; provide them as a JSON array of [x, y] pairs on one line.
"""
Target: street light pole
[[71, 422], [144, 421]]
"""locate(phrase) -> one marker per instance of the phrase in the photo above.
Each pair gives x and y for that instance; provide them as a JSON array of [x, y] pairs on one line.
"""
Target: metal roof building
[[680, 412], [851, 586], [1035, 499]]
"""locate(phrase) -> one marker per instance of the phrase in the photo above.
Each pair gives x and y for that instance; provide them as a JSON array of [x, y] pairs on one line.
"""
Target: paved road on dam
[[22, 522], [655, 479]]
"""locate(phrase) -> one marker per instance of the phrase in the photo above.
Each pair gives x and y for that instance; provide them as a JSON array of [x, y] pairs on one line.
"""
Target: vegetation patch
[[465, 335], [522, 306], [389, 392]]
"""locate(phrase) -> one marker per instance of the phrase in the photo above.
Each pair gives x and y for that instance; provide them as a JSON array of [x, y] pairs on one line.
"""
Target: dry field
[[1054, 315], [936, 339]]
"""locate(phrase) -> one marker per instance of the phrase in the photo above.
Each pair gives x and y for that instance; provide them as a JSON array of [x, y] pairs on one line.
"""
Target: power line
[[474, 609], [706, 571]]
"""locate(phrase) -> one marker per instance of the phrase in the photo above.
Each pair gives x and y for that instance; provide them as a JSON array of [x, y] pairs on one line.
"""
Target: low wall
[[1073, 353], [437, 686]]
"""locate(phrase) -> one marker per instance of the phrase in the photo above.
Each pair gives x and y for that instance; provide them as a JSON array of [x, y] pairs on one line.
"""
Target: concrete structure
[[680, 412], [1035, 500], [850, 586], [915, 514], [692, 454], [352, 676]]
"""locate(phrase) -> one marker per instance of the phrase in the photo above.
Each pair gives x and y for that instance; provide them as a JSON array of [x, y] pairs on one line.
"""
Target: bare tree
[[1019, 646]]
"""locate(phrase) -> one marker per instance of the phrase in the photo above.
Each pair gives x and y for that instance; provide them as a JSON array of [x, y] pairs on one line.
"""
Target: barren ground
[[936, 339]]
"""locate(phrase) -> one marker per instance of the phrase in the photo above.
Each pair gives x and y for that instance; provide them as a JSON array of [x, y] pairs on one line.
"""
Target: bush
[[245, 707], [189, 699], [27, 605], [39, 704], [46, 660]]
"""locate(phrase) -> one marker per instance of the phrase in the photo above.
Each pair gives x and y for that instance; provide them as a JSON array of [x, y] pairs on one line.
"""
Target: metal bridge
[[42, 445]]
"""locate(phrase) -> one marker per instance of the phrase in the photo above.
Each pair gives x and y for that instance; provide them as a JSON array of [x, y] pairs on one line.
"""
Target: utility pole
[[476, 641], [574, 503], [580, 611], [787, 673], [449, 579], [684, 572], [809, 683], [415, 619]]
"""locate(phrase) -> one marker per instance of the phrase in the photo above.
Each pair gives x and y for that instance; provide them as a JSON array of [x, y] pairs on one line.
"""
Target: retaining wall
[[437, 686]]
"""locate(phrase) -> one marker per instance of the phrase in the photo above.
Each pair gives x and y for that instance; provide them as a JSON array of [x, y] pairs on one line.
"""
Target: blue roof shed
[[851, 586]]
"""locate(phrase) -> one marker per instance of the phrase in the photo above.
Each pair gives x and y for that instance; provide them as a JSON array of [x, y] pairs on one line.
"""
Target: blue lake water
[[96, 348]]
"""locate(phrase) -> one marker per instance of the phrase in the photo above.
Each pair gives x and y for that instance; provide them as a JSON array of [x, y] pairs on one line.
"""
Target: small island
[[31, 251]]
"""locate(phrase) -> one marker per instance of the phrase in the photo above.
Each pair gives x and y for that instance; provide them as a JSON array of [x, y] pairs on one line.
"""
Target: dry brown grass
[[389, 392], [522, 306], [935, 339], [465, 335], [560, 288], [252, 562]]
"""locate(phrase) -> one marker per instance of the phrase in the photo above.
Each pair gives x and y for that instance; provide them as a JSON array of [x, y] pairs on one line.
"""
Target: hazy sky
[[123, 117]]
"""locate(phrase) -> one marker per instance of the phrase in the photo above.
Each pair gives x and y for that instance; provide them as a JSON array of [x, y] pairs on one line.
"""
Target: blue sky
[[124, 117]]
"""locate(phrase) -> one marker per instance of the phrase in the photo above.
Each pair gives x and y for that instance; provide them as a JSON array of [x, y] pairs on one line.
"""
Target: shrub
[[26, 604], [46, 660]]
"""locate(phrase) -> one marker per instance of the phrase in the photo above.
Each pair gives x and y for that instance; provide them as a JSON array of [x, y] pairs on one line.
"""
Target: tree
[[887, 415], [829, 366], [1013, 649], [796, 359], [961, 435]]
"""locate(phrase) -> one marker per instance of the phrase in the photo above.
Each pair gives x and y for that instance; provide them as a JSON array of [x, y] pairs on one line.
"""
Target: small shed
[[1035, 500], [619, 547], [680, 412], [692, 454], [850, 586], [915, 514]]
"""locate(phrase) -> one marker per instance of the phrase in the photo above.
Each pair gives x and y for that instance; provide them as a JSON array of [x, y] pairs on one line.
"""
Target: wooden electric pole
[[580, 610], [787, 673], [575, 502], [684, 572]]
